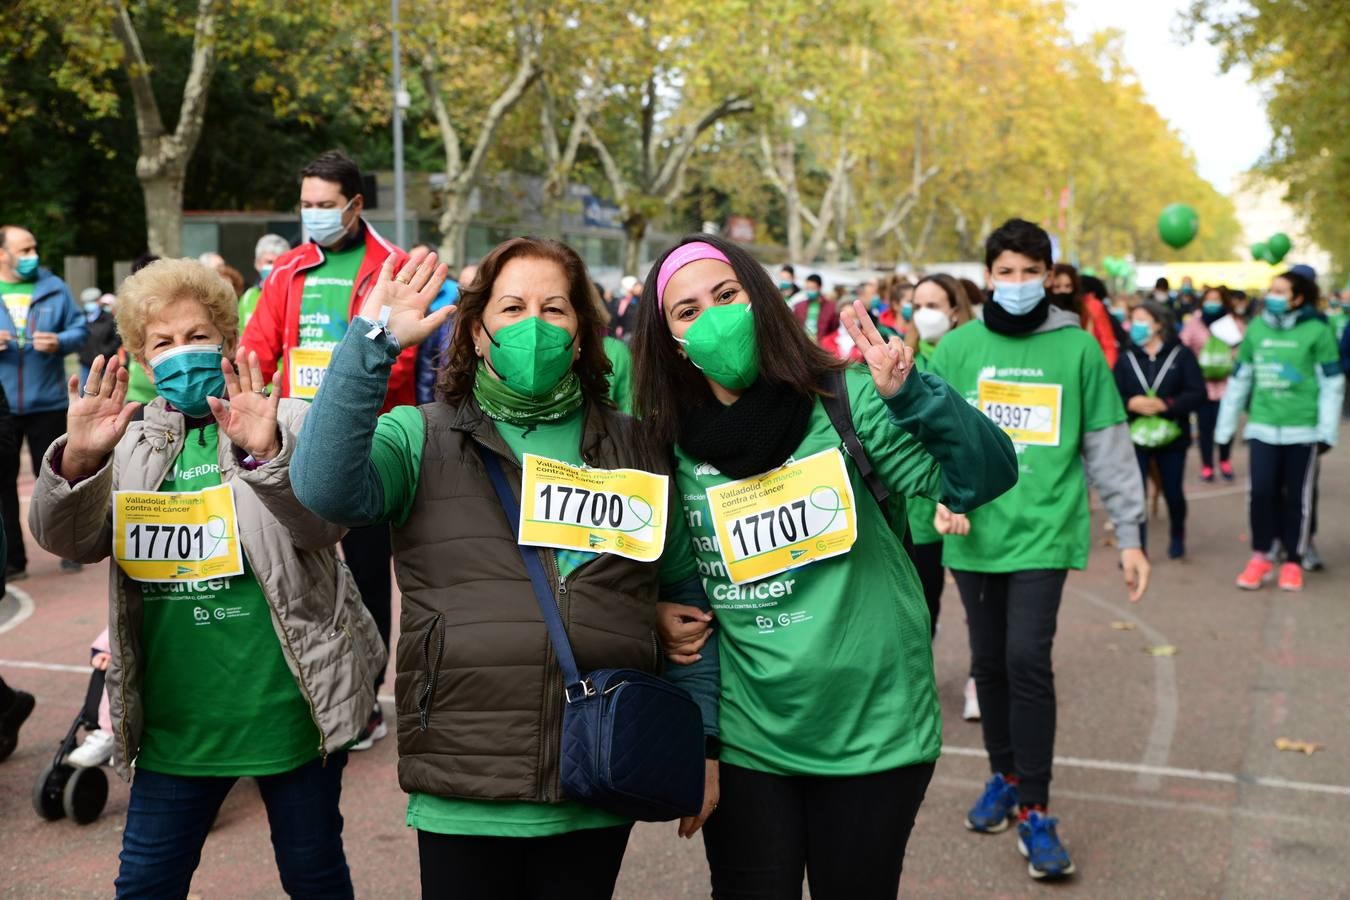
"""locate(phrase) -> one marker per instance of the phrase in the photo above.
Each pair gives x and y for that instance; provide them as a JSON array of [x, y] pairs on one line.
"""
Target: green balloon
[[1278, 244], [1261, 253], [1178, 225]]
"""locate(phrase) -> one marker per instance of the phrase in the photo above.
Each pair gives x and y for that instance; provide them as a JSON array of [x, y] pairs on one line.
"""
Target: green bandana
[[505, 405]]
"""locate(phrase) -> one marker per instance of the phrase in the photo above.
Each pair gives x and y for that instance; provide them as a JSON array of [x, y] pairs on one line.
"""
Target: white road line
[[1106, 765], [45, 667], [25, 609], [1166, 702]]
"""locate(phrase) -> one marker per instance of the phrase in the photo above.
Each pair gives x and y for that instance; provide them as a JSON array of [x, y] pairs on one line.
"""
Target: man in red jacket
[[306, 303]]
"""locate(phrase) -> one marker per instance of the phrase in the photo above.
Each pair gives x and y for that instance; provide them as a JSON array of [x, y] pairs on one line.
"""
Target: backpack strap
[[836, 404]]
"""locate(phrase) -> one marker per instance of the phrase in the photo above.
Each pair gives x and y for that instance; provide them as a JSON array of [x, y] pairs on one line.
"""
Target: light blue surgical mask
[[813, 295], [185, 376], [1140, 332], [1019, 297], [26, 267], [324, 226], [263, 273], [1213, 307], [1118, 313], [91, 309], [1277, 306], [907, 311]]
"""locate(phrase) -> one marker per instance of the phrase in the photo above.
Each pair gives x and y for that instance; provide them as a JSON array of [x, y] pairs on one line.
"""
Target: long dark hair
[[592, 366], [667, 386]]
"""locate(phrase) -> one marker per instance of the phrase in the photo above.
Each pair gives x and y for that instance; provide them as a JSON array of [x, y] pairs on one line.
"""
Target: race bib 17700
[[619, 511], [794, 515], [189, 536], [305, 368], [1027, 413]]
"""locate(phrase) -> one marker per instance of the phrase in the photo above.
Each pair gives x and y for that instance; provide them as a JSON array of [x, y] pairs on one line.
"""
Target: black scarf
[[1000, 321], [751, 436]]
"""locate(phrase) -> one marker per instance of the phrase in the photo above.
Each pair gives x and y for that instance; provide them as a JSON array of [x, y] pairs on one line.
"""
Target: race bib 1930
[[619, 511], [1027, 413], [190, 536], [797, 514], [305, 367]]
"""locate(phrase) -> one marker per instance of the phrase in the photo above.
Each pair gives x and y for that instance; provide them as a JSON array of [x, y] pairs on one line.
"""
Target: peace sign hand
[[890, 361], [408, 295], [249, 419], [96, 418]]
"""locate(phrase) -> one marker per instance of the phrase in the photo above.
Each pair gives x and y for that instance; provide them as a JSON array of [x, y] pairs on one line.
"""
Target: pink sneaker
[[1258, 572], [1291, 577], [1206, 473]]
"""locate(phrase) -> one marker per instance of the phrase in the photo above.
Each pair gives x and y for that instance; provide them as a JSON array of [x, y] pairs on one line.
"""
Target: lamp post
[[400, 103]]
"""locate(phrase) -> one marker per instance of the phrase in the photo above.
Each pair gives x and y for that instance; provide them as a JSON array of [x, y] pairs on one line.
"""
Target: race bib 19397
[[305, 368], [1027, 413], [190, 536], [799, 513], [619, 511]]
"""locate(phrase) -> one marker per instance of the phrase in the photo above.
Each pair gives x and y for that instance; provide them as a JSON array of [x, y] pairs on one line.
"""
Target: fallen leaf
[[1123, 626], [1164, 650], [1306, 747]]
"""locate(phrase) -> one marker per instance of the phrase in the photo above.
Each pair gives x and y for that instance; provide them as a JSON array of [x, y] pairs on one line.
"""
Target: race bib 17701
[[619, 511], [1027, 413], [305, 368], [190, 536], [794, 515]]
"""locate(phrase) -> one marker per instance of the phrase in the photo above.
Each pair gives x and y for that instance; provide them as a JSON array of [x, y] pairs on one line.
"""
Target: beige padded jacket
[[328, 638]]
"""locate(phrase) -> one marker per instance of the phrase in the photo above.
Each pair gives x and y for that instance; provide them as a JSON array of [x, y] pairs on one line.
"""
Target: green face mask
[[531, 356], [721, 342]]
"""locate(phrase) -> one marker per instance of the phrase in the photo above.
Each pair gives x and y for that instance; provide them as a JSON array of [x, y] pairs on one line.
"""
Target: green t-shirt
[[1057, 385], [18, 298], [1285, 364], [1338, 319], [813, 319], [827, 669], [248, 305], [397, 454], [326, 301], [621, 379], [219, 697]]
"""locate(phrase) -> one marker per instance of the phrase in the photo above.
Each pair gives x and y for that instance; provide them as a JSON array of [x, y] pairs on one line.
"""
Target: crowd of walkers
[[768, 535]]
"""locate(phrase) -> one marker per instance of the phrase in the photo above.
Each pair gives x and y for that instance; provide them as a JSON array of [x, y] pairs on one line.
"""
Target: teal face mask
[[26, 267], [1213, 307], [813, 295], [1140, 333], [907, 311], [721, 343], [530, 356], [1118, 313], [1277, 306], [185, 376], [263, 273]]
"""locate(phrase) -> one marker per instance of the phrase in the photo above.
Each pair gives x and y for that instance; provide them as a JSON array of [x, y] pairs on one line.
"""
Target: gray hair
[[271, 243]]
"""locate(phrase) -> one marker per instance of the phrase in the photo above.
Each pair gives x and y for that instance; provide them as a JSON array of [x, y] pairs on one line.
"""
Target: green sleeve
[[1244, 354], [927, 441], [1102, 406], [677, 562], [396, 452], [1325, 352]]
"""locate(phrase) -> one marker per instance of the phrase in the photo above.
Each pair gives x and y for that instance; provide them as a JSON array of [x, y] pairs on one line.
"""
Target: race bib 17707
[[190, 536], [305, 368], [1027, 413], [794, 515], [619, 511]]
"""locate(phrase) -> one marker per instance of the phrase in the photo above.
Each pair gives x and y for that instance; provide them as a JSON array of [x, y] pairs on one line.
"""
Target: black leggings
[[1282, 503], [40, 429], [1172, 472], [368, 551], [1207, 418], [927, 559], [847, 834], [578, 865]]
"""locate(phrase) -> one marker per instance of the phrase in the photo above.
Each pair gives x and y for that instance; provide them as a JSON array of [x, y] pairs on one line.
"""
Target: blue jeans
[[169, 816]]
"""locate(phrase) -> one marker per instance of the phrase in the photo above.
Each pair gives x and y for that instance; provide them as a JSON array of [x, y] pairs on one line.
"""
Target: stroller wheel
[[85, 795], [47, 791]]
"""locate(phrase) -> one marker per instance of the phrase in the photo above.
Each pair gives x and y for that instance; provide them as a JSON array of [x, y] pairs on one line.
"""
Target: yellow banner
[[1027, 413], [619, 511], [797, 514], [188, 536], [305, 368], [1245, 274]]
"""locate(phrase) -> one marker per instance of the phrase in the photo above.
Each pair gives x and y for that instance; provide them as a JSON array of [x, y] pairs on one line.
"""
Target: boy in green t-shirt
[[1035, 372]]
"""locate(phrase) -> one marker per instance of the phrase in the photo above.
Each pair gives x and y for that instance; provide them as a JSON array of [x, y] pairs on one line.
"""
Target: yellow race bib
[[191, 536], [619, 511], [1027, 413], [794, 515], [305, 368]]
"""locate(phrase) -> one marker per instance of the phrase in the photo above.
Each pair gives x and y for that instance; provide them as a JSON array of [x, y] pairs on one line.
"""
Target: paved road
[[1169, 783]]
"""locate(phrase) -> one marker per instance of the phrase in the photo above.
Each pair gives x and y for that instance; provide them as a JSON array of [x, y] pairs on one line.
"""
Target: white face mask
[[932, 323]]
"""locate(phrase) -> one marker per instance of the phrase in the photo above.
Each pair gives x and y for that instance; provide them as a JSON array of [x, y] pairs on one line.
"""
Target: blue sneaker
[[1038, 842], [995, 809]]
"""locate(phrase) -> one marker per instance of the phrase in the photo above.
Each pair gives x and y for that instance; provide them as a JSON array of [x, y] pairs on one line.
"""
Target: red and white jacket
[[275, 326]]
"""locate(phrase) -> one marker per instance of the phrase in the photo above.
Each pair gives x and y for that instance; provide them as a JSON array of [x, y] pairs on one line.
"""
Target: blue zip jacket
[[35, 381]]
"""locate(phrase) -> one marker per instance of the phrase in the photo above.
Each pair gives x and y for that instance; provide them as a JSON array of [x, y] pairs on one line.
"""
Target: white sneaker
[[375, 730], [971, 713], [96, 750]]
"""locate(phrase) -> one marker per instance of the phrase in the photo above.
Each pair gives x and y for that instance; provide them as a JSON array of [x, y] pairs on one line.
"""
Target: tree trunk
[[163, 194], [454, 224], [634, 230]]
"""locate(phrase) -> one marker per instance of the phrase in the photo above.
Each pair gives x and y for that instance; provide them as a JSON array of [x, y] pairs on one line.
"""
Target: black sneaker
[[11, 719], [375, 730]]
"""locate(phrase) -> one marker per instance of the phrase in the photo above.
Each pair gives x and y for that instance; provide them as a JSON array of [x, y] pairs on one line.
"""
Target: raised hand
[[96, 418], [249, 419], [890, 361], [408, 296]]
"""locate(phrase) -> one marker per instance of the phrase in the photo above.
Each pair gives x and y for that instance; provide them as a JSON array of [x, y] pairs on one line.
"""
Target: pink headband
[[682, 256]]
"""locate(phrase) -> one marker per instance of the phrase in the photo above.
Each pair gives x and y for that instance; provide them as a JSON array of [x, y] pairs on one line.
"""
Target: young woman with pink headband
[[829, 715]]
